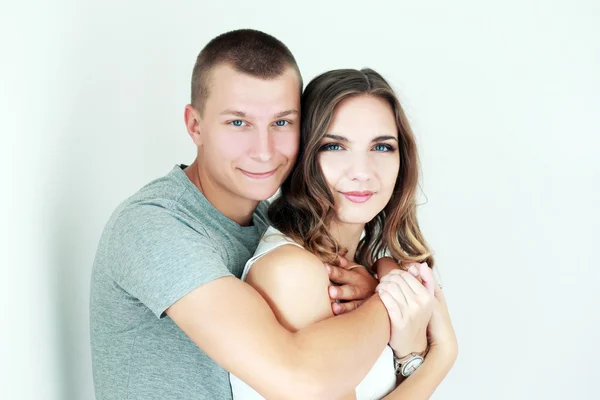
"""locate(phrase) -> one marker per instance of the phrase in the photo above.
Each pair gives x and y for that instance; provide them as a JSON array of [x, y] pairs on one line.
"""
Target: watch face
[[411, 365]]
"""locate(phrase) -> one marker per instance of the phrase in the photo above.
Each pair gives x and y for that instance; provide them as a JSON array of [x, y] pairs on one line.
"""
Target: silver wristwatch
[[408, 364]]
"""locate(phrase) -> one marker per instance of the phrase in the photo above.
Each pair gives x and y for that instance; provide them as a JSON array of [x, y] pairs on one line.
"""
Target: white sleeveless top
[[380, 380]]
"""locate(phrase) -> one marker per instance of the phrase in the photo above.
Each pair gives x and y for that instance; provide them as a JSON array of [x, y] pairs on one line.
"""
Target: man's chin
[[260, 195]]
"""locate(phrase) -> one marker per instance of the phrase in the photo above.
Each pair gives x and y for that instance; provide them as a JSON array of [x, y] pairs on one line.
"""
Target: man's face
[[249, 132]]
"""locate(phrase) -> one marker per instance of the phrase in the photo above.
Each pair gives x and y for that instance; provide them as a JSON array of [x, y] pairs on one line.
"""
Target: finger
[[414, 284], [394, 311], [343, 261], [357, 276], [396, 292], [413, 269], [409, 277], [338, 275], [342, 308], [353, 266], [428, 278], [439, 294], [352, 292], [346, 292], [400, 281]]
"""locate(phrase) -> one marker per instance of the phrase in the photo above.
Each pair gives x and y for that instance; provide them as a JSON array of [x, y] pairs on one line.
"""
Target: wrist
[[420, 347], [446, 354], [421, 353], [405, 366]]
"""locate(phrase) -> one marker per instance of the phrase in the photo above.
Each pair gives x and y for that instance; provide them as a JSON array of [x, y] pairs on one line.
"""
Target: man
[[169, 316]]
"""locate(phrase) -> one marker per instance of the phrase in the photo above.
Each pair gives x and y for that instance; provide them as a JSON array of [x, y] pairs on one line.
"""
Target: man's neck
[[233, 207], [347, 236]]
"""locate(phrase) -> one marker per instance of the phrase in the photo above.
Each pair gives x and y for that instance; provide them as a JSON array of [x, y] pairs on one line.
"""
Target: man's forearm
[[337, 353], [233, 324]]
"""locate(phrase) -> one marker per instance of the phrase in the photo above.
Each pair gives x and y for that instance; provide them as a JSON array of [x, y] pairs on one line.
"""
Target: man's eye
[[237, 122], [281, 122]]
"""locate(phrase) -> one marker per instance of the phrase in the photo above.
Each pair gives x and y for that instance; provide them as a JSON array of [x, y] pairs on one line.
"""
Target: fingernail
[[328, 268], [333, 291], [336, 307], [413, 270]]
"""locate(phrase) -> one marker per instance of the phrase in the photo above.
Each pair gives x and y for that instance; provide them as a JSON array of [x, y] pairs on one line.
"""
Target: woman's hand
[[385, 265], [410, 307], [440, 332]]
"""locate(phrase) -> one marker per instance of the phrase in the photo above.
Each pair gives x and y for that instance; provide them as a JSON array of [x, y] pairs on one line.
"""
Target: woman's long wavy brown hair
[[305, 207]]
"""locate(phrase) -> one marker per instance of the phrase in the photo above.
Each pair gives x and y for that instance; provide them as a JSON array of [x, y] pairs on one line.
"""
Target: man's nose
[[262, 150]]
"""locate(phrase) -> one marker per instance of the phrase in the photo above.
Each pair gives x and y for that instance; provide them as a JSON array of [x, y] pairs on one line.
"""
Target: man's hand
[[356, 286]]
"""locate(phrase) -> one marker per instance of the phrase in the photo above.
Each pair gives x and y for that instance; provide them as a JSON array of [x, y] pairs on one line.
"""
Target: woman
[[352, 194]]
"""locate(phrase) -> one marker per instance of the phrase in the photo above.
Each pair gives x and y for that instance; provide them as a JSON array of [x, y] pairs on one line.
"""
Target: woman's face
[[359, 158]]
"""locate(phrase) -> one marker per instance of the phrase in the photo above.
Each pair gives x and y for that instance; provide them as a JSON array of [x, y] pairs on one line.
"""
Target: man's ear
[[192, 119]]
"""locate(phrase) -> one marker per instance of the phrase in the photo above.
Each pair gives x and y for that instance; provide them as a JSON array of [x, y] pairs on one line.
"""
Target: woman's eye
[[281, 122], [237, 122], [331, 147], [383, 147]]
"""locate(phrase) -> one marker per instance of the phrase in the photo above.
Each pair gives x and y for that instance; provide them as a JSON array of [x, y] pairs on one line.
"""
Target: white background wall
[[504, 99]]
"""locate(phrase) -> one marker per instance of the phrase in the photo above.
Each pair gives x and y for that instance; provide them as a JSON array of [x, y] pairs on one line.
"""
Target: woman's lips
[[358, 197]]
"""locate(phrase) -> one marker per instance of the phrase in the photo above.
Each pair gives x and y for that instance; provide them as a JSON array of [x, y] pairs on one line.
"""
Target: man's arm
[[173, 268], [235, 326]]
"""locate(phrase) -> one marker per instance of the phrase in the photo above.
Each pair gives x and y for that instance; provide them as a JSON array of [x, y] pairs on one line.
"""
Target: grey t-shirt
[[159, 245]]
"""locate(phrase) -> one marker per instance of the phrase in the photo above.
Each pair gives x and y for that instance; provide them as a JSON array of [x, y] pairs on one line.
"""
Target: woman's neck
[[347, 236]]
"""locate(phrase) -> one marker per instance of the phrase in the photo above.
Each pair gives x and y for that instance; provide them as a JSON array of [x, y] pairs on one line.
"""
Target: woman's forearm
[[423, 382]]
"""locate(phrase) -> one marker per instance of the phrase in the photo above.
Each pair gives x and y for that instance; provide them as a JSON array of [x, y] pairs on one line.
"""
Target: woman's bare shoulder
[[294, 282]]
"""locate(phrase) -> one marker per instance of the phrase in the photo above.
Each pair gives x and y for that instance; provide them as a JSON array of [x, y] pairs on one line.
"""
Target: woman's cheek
[[328, 166], [388, 171]]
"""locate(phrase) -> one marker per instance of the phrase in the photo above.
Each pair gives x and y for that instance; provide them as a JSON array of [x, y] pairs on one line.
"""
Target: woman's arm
[[441, 356], [423, 382], [295, 285]]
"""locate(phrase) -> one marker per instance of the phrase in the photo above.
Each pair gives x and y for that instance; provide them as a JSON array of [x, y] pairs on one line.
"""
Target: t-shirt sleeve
[[159, 258]]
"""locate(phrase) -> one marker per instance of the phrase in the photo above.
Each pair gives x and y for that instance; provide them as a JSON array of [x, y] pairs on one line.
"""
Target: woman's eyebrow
[[383, 138], [336, 137], [375, 139]]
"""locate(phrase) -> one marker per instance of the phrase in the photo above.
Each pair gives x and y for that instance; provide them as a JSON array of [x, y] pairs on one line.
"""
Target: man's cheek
[[288, 146], [233, 148]]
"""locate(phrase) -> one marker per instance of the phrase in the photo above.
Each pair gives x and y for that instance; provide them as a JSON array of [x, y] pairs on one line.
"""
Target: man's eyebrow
[[285, 113], [242, 114], [234, 112], [383, 138]]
